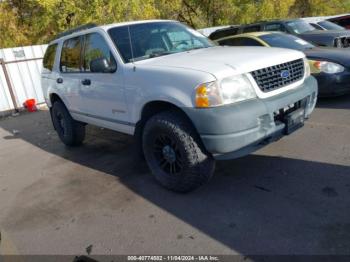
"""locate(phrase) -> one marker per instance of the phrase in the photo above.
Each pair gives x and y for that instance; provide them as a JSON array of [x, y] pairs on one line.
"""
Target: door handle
[[59, 81], [86, 82]]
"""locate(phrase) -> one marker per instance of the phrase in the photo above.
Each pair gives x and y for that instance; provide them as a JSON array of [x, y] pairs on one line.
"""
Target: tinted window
[[330, 26], [149, 40], [254, 28], [344, 23], [70, 57], [223, 33], [49, 58], [286, 41], [240, 42], [96, 48], [274, 27]]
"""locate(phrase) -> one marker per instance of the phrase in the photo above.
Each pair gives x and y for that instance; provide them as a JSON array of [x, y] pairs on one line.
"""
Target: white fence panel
[[5, 97], [23, 66]]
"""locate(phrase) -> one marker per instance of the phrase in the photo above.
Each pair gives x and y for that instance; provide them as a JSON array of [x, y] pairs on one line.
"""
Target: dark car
[[298, 27], [343, 20], [330, 66], [326, 25]]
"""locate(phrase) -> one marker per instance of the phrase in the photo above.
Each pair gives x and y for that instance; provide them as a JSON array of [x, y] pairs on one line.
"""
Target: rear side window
[[249, 29], [223, 33], [96, 48], [70, 56], [240, 42], [275, 27], [49, 58]]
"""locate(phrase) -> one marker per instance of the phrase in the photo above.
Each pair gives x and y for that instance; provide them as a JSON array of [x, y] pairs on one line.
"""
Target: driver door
[[101, 92]]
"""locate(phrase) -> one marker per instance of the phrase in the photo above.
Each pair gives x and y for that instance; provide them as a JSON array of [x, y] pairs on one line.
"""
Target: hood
[[324, 38], [329, 54], [222, 61], [330, 33]]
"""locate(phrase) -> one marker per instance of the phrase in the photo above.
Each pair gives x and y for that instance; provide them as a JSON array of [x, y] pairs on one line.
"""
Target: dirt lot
[[292, 197]]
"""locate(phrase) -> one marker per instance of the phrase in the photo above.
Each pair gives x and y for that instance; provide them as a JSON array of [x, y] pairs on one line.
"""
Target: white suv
[[187, 101]]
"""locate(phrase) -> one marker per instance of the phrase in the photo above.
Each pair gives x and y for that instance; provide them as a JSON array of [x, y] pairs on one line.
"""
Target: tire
[[175, 154], [71, 132]]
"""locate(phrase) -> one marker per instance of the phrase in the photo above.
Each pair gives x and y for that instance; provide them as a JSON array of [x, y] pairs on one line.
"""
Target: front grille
[[342, 42], [274, 77]]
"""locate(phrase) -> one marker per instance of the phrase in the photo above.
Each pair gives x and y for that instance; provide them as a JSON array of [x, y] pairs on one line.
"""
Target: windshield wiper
[[197, 47], [157, 54]]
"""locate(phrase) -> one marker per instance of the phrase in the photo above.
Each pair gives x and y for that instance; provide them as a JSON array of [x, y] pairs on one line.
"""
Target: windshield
[[300, 27], [286, 41], [330, 26], [147, 40]]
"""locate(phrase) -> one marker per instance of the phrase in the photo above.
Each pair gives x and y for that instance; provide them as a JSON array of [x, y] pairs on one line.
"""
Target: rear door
[[69, 77]]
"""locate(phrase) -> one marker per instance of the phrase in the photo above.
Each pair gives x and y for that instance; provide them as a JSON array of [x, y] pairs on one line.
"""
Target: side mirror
[[101, 65]]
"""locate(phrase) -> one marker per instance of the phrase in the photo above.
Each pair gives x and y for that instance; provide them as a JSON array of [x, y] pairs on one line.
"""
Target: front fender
[[178, 100], [173, 85]]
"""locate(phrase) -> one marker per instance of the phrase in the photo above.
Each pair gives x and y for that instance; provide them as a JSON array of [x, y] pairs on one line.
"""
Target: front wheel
[[174, 152]]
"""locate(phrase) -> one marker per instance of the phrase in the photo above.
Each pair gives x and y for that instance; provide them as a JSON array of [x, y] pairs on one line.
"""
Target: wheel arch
[[55, 97], [152, 108]]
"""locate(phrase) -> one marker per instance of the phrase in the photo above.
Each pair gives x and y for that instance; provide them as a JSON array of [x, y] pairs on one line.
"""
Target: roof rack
[[76, 29]]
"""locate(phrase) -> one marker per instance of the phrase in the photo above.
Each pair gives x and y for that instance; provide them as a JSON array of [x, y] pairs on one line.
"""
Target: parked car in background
[[186, 100], [207, 31], [330, 66], [326, 25], [342, 20], [298, 27]]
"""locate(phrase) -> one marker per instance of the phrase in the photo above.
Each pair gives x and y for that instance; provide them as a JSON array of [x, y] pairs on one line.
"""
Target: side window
[[249, 29], [231, 42], [121, 39], [275, 27], [49, 58], [250, 42], [70, 56], [344, 22], [224, 33], [96, 49], [242, 41]]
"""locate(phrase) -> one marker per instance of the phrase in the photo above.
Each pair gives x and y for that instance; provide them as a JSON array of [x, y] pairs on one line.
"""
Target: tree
[[24, 22]]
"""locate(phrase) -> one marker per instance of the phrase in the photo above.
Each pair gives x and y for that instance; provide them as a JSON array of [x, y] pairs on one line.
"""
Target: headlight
[[328, 67], [307, 68], [227, 91]]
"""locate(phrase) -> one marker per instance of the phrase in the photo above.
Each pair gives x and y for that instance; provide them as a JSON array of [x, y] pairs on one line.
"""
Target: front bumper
[[235, 130], [333, 84]]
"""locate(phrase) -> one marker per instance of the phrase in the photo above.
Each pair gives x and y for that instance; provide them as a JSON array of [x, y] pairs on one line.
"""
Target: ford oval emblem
[[285, 74]]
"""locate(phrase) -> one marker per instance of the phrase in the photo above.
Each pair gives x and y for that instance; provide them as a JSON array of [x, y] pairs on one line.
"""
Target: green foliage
[[24, 22]]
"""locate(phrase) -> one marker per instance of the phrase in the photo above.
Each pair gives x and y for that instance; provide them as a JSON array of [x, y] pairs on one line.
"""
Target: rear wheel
[[71, 132], [175, 154]]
